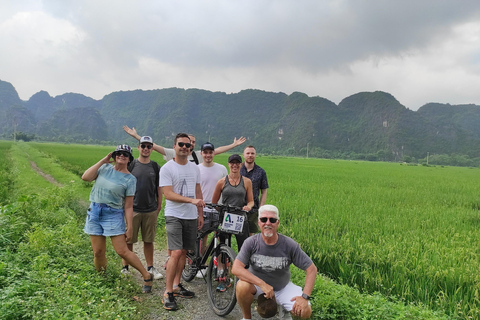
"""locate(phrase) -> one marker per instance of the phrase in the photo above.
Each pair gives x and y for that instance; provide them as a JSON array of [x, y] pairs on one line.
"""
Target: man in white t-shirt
[[180, 180], [210, 173], [194, 156]]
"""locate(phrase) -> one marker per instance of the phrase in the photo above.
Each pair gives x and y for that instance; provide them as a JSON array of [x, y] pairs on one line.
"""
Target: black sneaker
[[169, 302], [182, 292]]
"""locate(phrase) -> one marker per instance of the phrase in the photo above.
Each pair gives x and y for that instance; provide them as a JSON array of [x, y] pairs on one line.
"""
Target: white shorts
[[284, 295]]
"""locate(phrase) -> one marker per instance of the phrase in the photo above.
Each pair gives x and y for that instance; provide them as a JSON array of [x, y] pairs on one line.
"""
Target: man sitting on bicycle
[[269, 255]]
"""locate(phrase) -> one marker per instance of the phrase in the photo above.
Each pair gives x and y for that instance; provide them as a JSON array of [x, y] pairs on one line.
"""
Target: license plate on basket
[[233, 222]]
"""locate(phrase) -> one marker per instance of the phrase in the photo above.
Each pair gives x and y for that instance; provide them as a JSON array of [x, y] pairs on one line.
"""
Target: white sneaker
[[156, 274], [199, 274]]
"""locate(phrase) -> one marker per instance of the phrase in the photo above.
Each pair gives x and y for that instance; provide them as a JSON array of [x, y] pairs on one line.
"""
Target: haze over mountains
[[276, 123]]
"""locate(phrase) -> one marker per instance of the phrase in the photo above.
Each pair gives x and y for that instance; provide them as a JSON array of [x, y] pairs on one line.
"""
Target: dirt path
[[197, 308], [46, 176]]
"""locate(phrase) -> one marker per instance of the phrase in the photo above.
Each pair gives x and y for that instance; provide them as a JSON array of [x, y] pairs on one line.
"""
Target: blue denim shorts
[[103, 220]]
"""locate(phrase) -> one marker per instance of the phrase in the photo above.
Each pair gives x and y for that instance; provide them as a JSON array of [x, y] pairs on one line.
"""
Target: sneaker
[[125, 270], [199, 274], [156, 274], [169, 302], [182, 292], [222, 287]]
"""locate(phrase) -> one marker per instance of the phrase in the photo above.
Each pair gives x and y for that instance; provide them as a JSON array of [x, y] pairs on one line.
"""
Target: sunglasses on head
[[122, 153], [272, 220], [186, 144], [148, 146]]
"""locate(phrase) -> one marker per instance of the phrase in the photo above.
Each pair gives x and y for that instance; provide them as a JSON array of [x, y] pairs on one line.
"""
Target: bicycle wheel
[[221, 283], [190, 269]]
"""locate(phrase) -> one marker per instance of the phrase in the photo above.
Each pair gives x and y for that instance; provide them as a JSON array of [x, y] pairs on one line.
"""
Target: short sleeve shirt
[[271, 263], [210, 177], [146, 196], [259, 181], [111, 187], [183, 179]]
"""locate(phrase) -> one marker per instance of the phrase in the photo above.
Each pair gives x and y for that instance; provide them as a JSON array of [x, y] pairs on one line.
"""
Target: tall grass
[[409, 232]]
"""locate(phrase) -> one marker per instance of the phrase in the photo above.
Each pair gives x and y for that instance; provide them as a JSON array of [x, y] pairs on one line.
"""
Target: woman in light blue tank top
[[111, 204]]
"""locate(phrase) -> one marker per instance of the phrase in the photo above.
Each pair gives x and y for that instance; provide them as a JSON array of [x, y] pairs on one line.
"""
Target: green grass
[[407, 232]]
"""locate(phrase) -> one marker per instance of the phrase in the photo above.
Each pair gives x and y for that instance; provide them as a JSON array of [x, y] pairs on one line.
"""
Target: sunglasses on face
[[264, 220], [186, 144], [148, 146], [122, 153]]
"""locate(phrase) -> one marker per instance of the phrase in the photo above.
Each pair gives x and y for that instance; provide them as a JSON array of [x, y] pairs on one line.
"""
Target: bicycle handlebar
[[224, 207]]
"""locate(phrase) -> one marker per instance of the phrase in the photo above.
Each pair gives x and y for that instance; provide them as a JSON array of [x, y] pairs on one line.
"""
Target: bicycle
[[220, 257]]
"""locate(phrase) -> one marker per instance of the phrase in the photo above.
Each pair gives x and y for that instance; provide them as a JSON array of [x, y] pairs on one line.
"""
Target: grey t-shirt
[[271, 263]]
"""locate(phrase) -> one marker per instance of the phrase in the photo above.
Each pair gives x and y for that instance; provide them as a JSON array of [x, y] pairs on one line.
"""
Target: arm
[[263, 197], [132, 132], [91, 173], [159, 199], [172, 196], [218, 190], [243, 274], [301, 308], [199, 195], [128, 207], [235, 143], [249, 188]]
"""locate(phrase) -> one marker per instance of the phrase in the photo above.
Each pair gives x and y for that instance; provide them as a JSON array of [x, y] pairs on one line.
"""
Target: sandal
[[148, 289]]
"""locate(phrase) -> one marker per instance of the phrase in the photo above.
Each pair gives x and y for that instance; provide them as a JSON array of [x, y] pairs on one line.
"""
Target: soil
[[197, 308], [46, 176]]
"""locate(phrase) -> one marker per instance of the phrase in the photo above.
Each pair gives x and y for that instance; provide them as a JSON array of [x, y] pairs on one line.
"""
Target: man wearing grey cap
[[146, 203]]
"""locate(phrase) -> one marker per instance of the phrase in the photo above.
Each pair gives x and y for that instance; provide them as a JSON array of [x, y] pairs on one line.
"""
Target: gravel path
[[197, 308]]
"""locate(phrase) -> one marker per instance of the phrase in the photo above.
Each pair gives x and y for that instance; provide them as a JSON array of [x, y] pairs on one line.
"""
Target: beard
[[267, 232]]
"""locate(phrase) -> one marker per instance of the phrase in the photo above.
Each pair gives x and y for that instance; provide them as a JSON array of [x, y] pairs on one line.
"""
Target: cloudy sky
[[419, 51]]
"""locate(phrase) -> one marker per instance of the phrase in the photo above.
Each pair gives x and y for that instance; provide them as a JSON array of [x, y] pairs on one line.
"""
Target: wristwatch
[[306, 296]]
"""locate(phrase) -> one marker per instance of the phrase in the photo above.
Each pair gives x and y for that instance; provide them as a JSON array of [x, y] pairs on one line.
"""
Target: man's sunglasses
[[186, 144], [122, 153], [272, 220], [148, 146]]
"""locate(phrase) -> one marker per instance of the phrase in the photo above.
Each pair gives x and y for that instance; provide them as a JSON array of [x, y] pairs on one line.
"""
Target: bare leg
[[172, 268], [130, 247], [120, 246], [180, 266], [99, 247], [245, 292], [148, 252]]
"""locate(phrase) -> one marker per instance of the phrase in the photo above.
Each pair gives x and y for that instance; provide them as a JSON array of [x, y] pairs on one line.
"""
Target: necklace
[[234, 182]]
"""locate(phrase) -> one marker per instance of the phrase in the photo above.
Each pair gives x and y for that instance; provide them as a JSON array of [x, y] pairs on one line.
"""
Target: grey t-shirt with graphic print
[[271, 263]]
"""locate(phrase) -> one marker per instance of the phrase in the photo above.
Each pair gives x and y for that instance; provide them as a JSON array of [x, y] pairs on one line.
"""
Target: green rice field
[[410, 233]]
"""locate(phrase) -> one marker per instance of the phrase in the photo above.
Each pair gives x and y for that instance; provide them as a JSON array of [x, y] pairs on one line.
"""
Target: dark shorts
[[103, 220], [252, 217], [181, 233]]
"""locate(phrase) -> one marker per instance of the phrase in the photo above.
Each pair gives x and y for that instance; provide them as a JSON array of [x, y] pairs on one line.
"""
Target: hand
[[131, 132], [301, 308], [268, 290], [246, 208], [198, 203], [108, 158], [128, 234], [239, 141]]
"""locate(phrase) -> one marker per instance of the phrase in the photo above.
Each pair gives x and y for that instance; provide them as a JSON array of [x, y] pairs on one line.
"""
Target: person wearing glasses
[[147, 203], [193, 156], [180, 180], [269, 255], [111, 205]]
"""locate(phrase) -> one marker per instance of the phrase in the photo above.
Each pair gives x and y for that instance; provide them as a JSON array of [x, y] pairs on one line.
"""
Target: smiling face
[[268, 228], [234, 166], [145, 149], [207, 155], [122, 157], [180, 147]]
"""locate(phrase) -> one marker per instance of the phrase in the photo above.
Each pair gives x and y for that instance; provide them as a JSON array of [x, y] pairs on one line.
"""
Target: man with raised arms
[[194, 156]]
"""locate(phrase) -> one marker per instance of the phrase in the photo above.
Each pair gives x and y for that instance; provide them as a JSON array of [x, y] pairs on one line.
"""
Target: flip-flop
[[148, 289]]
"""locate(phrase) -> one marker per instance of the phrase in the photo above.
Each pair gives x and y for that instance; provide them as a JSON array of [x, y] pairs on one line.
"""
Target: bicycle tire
[[222, 302], [190, 269]]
